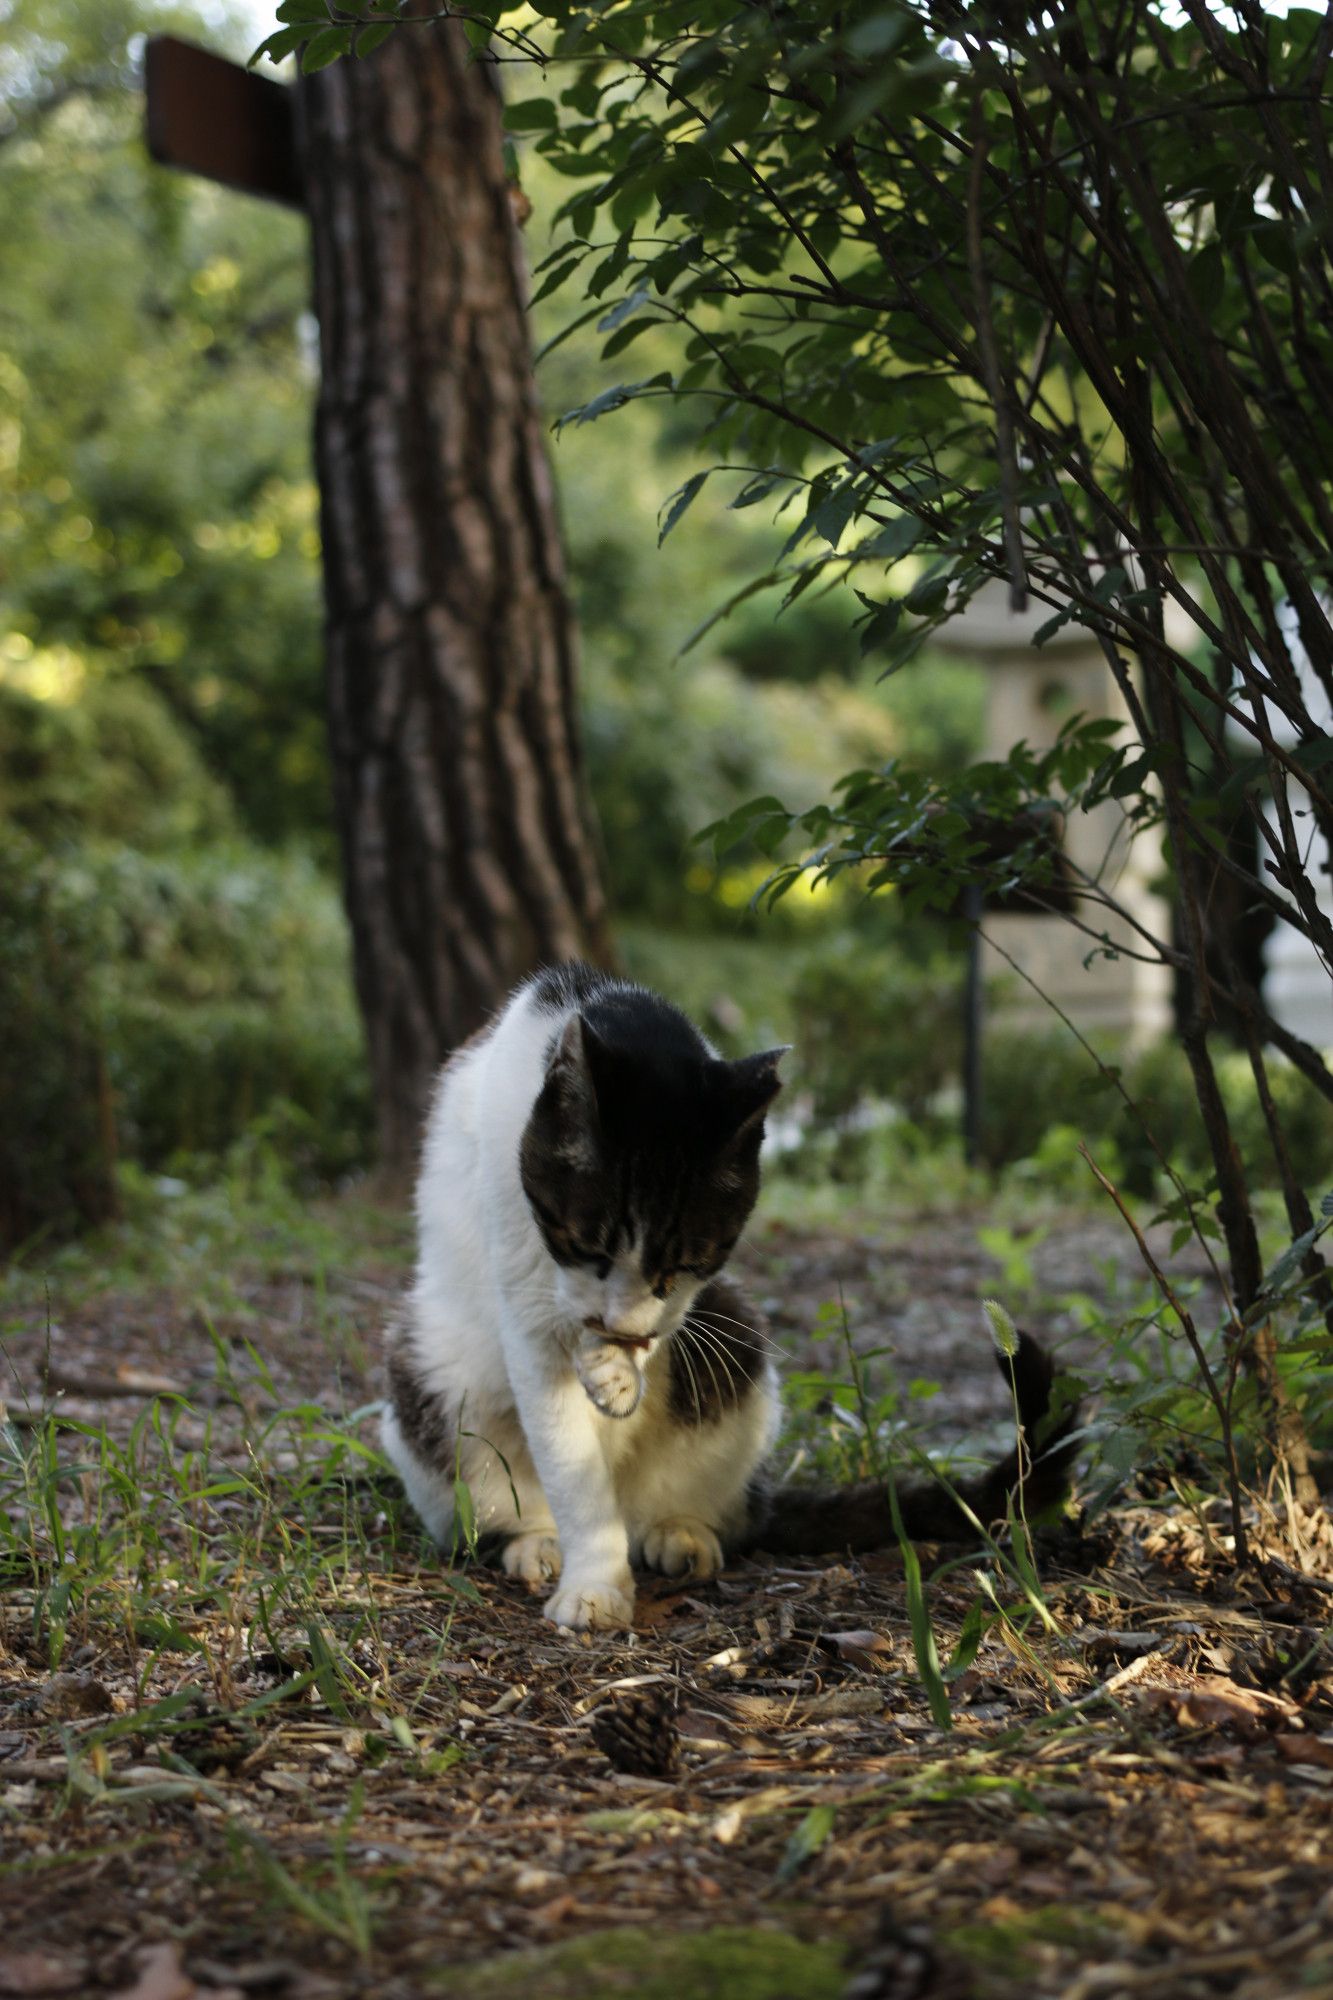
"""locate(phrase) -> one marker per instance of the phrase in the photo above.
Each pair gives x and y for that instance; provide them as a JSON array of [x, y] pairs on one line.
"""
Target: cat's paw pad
[[534, 1557], [583, 1607], [681, 1546], [610, 1378]]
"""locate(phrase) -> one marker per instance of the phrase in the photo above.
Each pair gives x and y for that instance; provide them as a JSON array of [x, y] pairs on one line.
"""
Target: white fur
[[567, 1445]]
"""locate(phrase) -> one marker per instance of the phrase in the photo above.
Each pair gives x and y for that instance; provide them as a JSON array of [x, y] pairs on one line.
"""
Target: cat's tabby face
[[641, 1165]]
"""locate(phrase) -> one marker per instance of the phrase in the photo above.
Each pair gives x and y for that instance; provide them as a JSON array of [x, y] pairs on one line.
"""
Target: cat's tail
[[794, 1520]]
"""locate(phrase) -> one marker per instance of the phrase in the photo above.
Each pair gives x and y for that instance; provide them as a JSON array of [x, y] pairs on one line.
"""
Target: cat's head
[[640, 1161]]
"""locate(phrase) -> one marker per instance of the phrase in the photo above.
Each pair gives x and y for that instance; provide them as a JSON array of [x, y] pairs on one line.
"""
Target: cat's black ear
[[565, 1114], [580, 1059], [750, 1085], [567, 1066]]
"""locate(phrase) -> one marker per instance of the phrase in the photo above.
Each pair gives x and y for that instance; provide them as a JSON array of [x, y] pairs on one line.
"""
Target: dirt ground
[[417, 1787]]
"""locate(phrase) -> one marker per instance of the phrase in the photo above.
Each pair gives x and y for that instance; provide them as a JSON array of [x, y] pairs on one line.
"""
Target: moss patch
[[735, 1962]]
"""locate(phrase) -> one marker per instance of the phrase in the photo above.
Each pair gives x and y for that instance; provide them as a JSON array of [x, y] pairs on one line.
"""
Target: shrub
[[192, 1079], [57, 1132], [114, 765], [1034, 1083], [166, 1004], [871, 1024]]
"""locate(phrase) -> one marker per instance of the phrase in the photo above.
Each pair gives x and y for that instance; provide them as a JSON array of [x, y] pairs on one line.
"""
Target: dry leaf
[[868, 1650], [147, 1381], [64, 1698], [1103, 1645], [1306, 1750], [1215, 1703]]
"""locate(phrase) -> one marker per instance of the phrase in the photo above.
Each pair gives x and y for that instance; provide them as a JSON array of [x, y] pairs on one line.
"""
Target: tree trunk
[[468, 852]]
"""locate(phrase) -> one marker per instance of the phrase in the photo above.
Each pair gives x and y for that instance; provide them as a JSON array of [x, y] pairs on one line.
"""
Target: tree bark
[[467, 843]]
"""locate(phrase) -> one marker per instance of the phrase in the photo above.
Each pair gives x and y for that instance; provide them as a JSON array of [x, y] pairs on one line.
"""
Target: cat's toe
[[581, 1607], [611, 1381], [534, 1557], [682, 1547]]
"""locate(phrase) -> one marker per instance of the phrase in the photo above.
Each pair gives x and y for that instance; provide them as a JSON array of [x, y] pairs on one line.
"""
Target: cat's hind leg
[[682, 1545], [534, 1556], [686, 1492], [435, 1445], [427, 1481]]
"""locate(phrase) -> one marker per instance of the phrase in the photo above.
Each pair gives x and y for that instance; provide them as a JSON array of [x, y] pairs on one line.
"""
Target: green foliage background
[[163, 776], [162, 767]]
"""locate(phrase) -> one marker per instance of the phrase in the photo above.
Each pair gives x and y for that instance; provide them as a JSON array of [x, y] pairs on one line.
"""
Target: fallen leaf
[[843, 1701], [556, 1910], [64, 1698], [147, 1381], [868, 1650], [1215, 1703], [1102, 1645], [1306, 1750]]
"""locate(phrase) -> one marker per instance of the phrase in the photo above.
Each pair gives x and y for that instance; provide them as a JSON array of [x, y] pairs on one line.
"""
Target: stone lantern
[[1031, 693]]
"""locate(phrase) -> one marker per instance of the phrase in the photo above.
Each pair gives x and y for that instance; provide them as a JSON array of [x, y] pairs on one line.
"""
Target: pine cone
[[637, 1732]]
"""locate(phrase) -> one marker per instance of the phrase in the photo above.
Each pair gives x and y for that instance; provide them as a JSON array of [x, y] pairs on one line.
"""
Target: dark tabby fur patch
[[717, 1356], [423, 1416]]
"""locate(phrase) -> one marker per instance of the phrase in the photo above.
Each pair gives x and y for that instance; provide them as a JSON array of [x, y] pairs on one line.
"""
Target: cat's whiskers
[[703, 1351], [710, 1342], [758, 1333], [695, 1390]]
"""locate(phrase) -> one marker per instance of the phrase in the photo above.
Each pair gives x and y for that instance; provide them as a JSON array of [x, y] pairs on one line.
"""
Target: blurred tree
[[468, 853]]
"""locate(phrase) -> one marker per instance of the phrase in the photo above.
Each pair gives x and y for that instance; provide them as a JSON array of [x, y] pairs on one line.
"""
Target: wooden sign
[[212, 117]]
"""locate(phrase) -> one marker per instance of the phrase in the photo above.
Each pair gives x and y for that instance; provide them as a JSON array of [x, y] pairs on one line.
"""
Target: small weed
[[328, 1897]]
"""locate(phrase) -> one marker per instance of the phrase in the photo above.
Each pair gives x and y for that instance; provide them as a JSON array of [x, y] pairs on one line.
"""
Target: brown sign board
[[212, 117]]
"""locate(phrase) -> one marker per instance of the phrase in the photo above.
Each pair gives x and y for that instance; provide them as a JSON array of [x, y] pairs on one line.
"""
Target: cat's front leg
[[609, 1373], [559, 1422]]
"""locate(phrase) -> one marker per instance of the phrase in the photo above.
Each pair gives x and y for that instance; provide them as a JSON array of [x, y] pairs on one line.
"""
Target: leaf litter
[[254, 1740]]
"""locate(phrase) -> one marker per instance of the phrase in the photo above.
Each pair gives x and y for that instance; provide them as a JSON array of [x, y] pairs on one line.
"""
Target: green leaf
[[830, 518], [1207, 278], [622, 310], [756, 583], [370, 37], [325, 48], [879, 32], [973, 1631], [894, 539], [680, 501], [324, 1665], [625, 336], [280, 45], [534, 114], [927, 596], [806, 1842], [555, 277]]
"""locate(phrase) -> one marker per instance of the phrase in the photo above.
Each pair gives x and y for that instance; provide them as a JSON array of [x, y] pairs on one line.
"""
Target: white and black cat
[[571, 1349]]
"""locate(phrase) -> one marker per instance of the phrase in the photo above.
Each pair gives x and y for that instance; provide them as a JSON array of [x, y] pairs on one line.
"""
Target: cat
[[571, 1348]]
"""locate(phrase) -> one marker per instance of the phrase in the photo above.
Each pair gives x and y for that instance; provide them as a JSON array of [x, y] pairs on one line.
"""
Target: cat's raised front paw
[[582, 1607], [535, 1557], [612, 1381], [682, 1546]]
